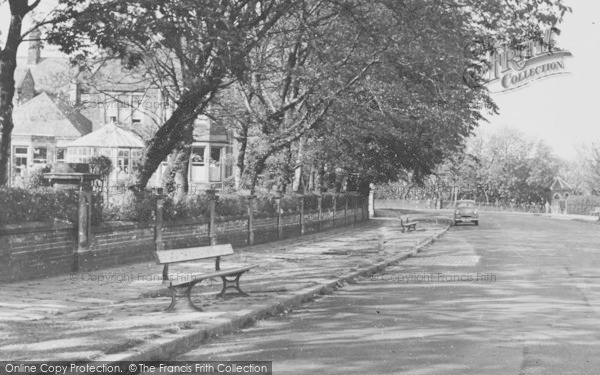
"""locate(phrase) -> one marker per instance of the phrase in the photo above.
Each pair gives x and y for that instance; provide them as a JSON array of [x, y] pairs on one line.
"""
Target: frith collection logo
[[506, 69]]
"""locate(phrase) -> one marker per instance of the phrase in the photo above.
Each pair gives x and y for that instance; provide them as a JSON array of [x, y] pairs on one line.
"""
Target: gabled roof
[[51, 74], [46, 116], [560, 184], [109, 136], [21, 77]]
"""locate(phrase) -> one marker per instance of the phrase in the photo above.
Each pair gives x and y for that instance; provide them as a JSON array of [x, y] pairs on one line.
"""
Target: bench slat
[[199, 277], [192, 253]]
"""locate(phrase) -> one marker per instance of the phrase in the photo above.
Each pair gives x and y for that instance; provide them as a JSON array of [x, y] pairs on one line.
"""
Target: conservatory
[[123, 147]]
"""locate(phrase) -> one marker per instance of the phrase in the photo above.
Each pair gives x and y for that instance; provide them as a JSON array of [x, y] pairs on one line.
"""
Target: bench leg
[[235, 285], [177, 292]]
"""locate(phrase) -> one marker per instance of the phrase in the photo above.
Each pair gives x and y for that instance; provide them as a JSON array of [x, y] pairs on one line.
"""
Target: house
[[110, 94], [560, 191], [44, 126]]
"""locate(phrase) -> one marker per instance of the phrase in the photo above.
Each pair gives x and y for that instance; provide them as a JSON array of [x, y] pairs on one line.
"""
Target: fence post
[[159, 245], [84, 222], [84, 225], [362, 208], [346, 209], [250, 219], [320, 208], [355, 206], [212, 199], [334, 200], [302, 215], [278, 197]]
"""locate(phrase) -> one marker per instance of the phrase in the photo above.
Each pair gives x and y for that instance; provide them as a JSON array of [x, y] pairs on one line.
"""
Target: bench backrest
[[192, 253]]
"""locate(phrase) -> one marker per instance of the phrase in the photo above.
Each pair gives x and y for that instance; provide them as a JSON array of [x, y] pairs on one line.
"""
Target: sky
[[562, 110]]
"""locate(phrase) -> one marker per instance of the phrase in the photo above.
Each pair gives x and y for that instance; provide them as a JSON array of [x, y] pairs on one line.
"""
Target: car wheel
[[476, 222]]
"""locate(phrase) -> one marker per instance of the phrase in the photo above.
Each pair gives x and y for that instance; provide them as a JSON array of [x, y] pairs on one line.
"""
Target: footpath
[[117, 314]]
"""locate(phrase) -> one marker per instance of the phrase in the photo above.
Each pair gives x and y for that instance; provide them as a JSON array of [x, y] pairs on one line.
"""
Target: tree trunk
[[178, 126], [8, 64], [242, 146]]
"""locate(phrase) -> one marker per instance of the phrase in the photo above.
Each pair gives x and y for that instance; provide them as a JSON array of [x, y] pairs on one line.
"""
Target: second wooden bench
[[183, 287], [408, 225]]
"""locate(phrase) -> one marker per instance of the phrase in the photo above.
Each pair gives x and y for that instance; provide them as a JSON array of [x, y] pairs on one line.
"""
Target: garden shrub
[[131, 206], [232, 205], [193, 206], [582, 205], [311, 203], [290, 203], [340, 202], [265, 205], [327, 202], [33, 177]]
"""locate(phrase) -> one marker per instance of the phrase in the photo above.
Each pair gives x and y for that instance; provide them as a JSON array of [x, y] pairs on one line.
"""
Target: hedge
[[19, 205], [49, 204]]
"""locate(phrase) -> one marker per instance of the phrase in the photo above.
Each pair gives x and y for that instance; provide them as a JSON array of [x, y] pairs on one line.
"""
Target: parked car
[[466, 212]]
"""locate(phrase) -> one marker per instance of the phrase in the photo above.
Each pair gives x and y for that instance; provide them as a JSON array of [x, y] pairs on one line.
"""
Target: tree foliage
[[317, 93]]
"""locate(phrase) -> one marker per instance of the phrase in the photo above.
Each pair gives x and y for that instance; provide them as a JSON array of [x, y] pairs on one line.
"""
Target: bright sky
[[563, 110]]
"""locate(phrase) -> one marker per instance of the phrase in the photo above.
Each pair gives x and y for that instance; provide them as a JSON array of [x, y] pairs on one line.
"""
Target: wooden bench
[[180, 288], [595, 212], [408, 225]]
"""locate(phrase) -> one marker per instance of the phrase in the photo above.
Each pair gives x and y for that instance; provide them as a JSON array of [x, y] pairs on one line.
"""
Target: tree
[[19, 9], [589, 159], [412, 110], [191, 49], [513, 167]]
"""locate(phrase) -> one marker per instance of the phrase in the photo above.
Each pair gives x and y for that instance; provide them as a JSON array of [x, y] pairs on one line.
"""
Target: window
[[20, 158], [61, 154], [123, 161], [215, 164], [197, 157], [136, 159], [40, 155], [136, 113], [197, 165]]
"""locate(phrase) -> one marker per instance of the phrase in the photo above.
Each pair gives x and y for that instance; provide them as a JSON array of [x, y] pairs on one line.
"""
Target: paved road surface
[[517, 295]]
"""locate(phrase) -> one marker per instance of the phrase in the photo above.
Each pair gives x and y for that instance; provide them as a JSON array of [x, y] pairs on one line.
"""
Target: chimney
[[75, 94], [35, 48]]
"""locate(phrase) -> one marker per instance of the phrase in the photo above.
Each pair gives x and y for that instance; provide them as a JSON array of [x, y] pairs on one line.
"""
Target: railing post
[[158, 225], [84, 225], [278, 197], [362, 208], [346, 209], [371, 201], [84, 222], [302, 215], [212, 199], [355, 205], [250, 219], [159, 245], [320, 208], [334, 200]]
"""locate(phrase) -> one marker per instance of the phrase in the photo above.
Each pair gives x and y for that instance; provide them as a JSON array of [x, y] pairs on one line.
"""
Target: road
[[519, 294]]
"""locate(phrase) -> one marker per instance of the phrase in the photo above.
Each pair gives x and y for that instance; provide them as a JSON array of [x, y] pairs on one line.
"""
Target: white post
[[371, 201]]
